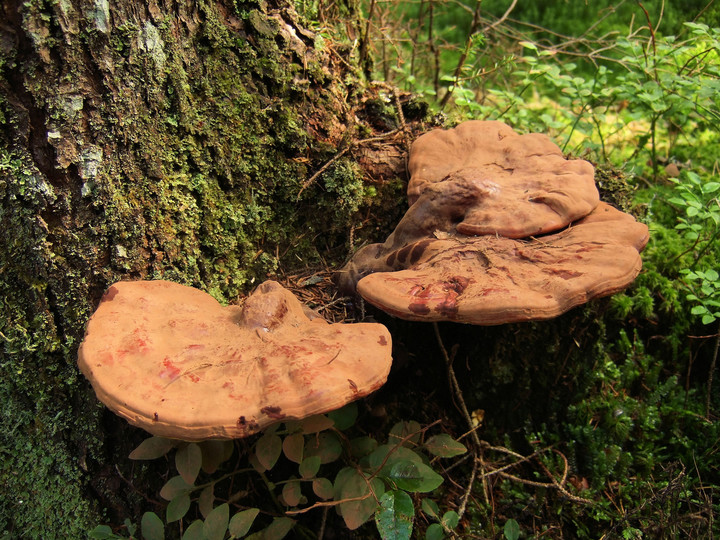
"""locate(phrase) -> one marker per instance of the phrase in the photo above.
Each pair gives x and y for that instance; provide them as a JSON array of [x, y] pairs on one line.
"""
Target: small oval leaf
[[174, 487], [344, 417], [323, 488], [293, 447], [177, 508], [326, 445], [188, 460], [242, 521], [310, 467], [278, 529], [444, 445], [153, 448], [394, 516], [152, 527], [194, 531], [291, 493], [316, 423], [217, 523], [268, 450], [206, 500], [415, 477]]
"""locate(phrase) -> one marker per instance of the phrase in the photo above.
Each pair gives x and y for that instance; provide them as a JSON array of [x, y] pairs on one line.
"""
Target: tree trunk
[[161, 139]]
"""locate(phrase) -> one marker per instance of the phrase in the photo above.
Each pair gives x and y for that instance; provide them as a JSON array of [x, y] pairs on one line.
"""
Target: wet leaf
[[431, 508], [450, 519], [153, 448], [242, 521], [217, 523], [444, 445], [188, 460], [152, 527], [394, 516], [511, 530], [268, 450]]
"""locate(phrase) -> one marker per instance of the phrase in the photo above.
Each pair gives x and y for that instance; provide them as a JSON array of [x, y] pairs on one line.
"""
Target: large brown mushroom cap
[[172, 360], [523, 185], [492, 280]]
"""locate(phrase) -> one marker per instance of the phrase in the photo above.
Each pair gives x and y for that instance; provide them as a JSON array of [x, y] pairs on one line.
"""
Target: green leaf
[[174, 487], [242, 521], [326, 445], [291, 493], [362, 446], [268, 449], [450, 519], [402, 429], [177, 508], [323, 488], [194, 531], [293, 446], [315, 424], [102, 532], [206, 499], [394, 516], [434, 532], [431, 508], [444, 445], [153, 448], [388, 454], [351, 484], [278, 529], [344, 417], [152, 527], [310, 467], [511, 530], [214, 453], [415, 477], [188, 460], [217, 523]]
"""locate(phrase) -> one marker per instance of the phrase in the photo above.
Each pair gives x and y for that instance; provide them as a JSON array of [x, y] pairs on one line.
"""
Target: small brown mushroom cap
[[491, 280], [173, 361], [523, 185]]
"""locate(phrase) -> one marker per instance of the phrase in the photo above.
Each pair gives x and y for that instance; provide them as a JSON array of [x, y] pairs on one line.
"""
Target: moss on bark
[[149, 140]]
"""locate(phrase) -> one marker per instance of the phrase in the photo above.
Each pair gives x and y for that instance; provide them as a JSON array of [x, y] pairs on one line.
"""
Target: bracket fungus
[[523, 185], [492, 280], [529, 243], [171, 360]]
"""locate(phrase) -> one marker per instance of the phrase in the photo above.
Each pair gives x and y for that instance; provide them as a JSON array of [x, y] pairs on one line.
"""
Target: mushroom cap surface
[[524, 186], [490, 280], [171, 360]]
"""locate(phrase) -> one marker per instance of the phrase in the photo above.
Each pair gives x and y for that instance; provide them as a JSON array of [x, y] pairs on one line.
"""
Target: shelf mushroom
[[501, 228], [491, 280], [523, 185], [171, 360]]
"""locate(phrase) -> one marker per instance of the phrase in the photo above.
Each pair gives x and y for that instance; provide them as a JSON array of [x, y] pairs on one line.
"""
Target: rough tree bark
[[162, 139]]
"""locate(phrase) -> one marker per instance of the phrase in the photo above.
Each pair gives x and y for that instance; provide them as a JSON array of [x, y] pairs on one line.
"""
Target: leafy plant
[[373, 480]]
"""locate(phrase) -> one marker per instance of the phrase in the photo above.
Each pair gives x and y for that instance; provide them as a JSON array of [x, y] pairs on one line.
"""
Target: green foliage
[[370, 479]]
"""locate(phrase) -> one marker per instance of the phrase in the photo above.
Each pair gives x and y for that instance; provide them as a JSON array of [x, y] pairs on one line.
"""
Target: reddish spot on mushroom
[[171, 371], [273, 412], [419, 308], [382, 341]]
